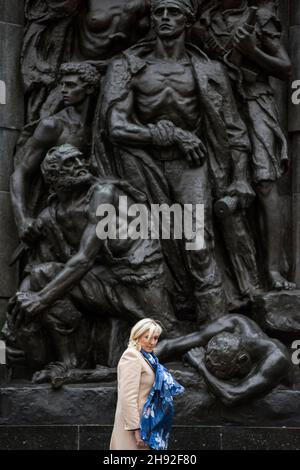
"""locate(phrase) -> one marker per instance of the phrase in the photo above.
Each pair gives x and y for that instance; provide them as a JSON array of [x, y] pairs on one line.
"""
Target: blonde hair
[[140, 328]]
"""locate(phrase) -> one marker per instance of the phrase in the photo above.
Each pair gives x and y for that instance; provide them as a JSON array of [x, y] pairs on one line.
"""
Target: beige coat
[[135, 380]]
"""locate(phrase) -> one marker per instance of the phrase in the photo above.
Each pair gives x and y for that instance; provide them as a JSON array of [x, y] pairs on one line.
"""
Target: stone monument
[[173, 103]]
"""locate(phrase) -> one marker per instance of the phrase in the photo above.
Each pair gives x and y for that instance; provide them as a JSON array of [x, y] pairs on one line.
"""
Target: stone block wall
[[11, 122]]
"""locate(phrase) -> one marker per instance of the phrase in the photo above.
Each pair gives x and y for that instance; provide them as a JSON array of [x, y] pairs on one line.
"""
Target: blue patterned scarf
[[157, 417]]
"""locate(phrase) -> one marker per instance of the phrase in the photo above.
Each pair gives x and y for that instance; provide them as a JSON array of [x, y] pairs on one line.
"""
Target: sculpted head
[[64, 168], [78, 80], [170, 18], [226, 358]]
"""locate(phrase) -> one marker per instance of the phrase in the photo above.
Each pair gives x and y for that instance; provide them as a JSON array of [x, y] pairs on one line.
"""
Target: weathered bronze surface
[[164, 102]]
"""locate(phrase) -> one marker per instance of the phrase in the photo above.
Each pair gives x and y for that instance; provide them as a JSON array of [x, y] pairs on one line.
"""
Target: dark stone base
[[183, 438], [27, 404], [80, 417]]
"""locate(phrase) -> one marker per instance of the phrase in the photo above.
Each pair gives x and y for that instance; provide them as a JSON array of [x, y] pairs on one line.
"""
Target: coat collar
[[137, 60]]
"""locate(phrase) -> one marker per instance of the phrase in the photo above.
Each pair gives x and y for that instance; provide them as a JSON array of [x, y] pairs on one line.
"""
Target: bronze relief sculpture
[[177, 110]]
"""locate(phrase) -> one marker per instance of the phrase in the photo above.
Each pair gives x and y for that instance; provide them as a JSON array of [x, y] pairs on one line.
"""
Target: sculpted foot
[[55, 373], [42, 376], [278, 282]]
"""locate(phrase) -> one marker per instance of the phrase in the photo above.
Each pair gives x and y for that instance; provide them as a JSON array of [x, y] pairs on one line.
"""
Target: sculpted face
[[73, 172], [73, 90], [66, 168], [74, 165], [169, 21]]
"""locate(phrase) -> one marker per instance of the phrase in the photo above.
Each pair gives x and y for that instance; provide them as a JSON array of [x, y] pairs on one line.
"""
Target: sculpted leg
[[241, 251], [270, 203], [191, 186]]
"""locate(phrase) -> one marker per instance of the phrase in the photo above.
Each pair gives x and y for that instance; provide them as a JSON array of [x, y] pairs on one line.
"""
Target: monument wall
[[83, 81]]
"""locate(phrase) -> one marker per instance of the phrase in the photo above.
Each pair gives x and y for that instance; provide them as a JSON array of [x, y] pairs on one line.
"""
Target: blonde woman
[[146, 389]]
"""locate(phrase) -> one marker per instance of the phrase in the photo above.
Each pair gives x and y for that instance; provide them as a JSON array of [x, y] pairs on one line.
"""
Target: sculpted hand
[[244, 192], [29, 231], [213, 46], [162, 350], [192, 147], [139, 442], [29, 305], [245, 41], [195, 357], [165, 133], [162, 133]]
